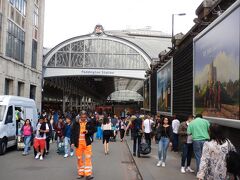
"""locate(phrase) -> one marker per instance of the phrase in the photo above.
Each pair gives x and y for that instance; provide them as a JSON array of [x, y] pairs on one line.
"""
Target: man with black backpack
[[136, 124]]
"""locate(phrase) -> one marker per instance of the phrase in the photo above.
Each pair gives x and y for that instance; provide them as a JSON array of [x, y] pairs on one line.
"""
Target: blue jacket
[[67, 130]]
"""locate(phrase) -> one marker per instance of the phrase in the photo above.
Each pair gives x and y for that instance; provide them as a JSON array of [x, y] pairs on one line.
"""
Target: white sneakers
[[183, 170], [159, 163], [39, 156], [188, 169], [65, 155]]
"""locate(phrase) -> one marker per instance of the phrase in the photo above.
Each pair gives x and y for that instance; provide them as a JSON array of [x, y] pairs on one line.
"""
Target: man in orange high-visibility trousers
[[81, 139]]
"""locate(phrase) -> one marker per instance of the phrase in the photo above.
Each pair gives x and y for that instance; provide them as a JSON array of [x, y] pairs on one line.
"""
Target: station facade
[[101, 66]]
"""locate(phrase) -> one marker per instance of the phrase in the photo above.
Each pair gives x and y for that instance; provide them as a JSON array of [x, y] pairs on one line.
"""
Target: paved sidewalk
[[118, 165], [149, 170]]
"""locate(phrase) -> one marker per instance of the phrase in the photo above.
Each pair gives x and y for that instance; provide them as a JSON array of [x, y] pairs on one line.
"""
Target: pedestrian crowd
[[216, 157]]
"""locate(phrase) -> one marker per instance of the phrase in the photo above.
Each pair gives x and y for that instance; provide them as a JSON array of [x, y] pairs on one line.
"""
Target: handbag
[[144, 148], [232, 160]]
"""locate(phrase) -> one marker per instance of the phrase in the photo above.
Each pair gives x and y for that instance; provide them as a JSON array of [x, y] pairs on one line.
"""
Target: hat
[[41, 117]]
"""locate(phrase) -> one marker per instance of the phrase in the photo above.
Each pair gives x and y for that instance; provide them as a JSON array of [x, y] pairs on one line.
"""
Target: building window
[[20, 89], [35, 16], [15, 42], [32, 92], [34, 53], [20, 5], [8, 87]]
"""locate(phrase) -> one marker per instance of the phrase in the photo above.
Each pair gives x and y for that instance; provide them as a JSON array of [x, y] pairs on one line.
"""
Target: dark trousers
[[122, 131], [136, 144], [148, 138], [92, 137], [48, 143], [175, 142], [187, 154]]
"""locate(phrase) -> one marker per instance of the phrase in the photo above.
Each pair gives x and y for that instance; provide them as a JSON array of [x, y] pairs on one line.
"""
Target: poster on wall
[[146, 94], [216, 69], [164, 89]]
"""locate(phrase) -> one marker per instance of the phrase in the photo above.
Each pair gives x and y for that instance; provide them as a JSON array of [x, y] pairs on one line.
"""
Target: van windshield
[[2, 111]]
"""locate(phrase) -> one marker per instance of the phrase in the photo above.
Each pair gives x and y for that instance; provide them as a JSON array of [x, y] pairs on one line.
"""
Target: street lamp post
[[180, 14]]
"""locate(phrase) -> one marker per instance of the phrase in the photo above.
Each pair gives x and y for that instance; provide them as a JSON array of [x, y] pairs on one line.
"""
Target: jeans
[[187, 154], [175, 142], [162, 148], [148, 138], [67, 145], [197, 149], [27, 140], [136, 139], [59, 140]]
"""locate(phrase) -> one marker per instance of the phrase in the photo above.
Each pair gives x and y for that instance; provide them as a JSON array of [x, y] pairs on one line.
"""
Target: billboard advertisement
[[146, 94], [164, 89], [216, 68]]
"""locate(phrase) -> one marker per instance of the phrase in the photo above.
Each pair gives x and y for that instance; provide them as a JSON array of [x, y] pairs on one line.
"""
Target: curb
[[133, 160]]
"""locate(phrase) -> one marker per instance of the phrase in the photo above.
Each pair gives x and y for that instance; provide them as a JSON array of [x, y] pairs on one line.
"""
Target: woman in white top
[[107, 133], [213, 160]]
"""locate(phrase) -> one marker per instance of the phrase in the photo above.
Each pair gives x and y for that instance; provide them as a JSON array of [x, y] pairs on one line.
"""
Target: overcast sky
[[68, 18]]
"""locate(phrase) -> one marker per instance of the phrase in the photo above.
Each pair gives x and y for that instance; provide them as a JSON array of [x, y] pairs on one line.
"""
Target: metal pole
[[172, 29]]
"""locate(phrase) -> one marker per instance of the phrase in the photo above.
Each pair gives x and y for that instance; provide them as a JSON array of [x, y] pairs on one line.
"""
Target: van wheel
[[3, 147]]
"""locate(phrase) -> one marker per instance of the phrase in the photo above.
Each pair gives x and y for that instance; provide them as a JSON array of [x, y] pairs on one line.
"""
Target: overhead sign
[[56, 72], [97, 72]]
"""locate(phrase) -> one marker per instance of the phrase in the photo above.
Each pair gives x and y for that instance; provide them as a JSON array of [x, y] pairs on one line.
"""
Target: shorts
[[39, 143]]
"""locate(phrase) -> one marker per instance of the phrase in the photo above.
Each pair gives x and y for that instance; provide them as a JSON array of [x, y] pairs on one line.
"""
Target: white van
[[11, 109]]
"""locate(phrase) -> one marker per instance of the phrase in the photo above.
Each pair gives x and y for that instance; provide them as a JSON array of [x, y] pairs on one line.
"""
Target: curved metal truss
[[125, 95], [97, 52]]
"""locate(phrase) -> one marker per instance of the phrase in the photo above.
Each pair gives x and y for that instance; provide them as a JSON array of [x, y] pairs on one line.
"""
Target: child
[[67, 135], [59, 129]]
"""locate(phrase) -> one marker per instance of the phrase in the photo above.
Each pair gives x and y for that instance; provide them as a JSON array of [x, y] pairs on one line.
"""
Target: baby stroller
[[20, 143], [20, 138]]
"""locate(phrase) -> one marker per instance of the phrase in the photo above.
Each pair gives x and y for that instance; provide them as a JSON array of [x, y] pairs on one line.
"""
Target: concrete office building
[[21, 48]]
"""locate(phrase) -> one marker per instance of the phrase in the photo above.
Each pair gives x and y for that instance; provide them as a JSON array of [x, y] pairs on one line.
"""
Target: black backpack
[[233, 162]]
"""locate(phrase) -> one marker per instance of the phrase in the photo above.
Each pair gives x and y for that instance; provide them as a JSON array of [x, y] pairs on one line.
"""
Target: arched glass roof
[[98, 52]]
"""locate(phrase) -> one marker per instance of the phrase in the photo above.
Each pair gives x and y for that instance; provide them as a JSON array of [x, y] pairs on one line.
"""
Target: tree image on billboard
[[216, 67], [164, 89]]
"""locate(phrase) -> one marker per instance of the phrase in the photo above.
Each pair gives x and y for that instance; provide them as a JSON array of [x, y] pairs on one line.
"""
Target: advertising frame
[[163, 112], [149, 94], [219, 120]]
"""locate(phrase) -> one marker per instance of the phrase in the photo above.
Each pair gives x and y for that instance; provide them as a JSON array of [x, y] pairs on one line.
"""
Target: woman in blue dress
[[99, 129]]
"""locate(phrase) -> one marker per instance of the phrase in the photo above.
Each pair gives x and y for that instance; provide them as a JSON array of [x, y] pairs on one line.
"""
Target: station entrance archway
[[86, 70]]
